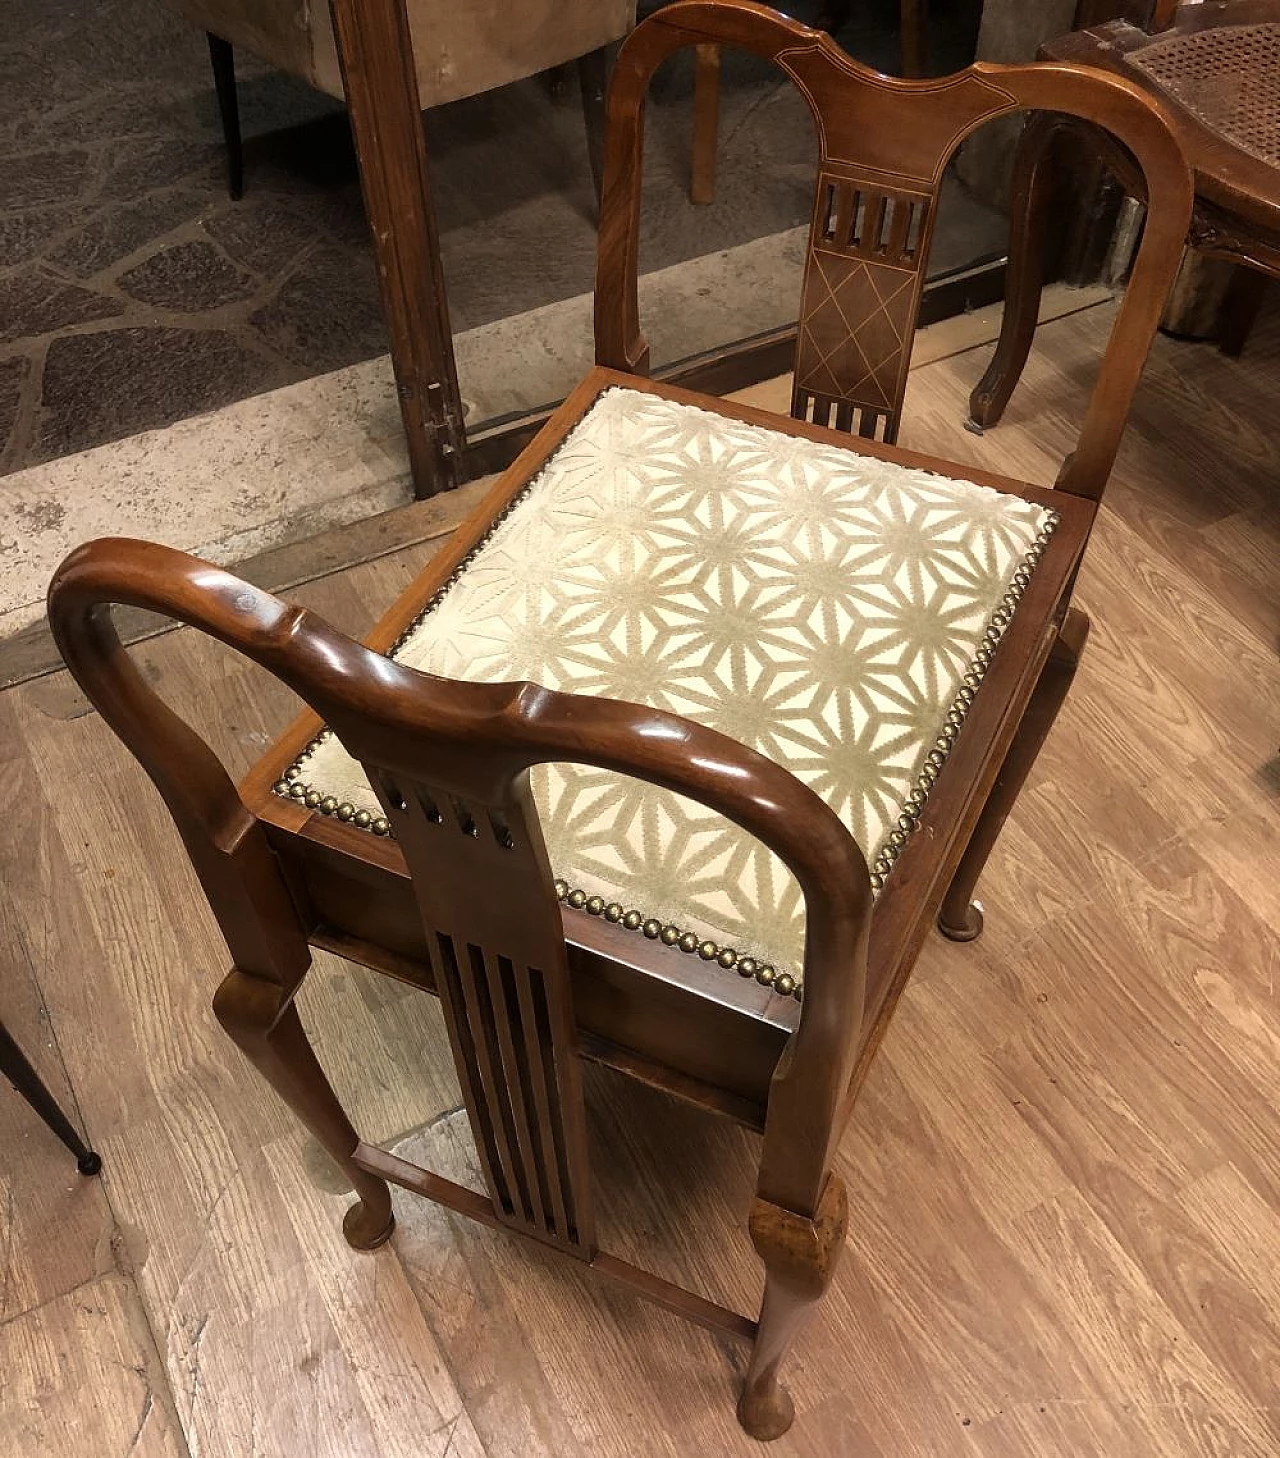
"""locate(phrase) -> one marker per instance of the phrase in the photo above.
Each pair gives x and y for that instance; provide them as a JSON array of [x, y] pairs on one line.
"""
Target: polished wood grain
[[458, 898], [81, 1375], [1063, 1174]]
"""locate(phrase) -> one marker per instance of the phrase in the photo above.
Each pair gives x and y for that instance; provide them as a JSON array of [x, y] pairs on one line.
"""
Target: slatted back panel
[[862, 283], [485, 892]]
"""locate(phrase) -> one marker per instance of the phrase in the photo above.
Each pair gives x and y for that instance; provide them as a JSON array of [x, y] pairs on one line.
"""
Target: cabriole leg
[[266, 1027], [960, 918], [799, 1255], [1030, 201]]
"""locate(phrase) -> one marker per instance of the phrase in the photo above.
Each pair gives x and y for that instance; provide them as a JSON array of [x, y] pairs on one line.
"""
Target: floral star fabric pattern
[[829, 609]]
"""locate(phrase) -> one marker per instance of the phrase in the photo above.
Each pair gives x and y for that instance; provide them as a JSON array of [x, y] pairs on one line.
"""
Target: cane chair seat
[[1227, 77], [833, 610]]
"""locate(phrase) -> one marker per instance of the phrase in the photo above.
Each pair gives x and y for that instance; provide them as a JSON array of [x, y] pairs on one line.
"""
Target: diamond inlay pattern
[[856, 319], [829, 609]]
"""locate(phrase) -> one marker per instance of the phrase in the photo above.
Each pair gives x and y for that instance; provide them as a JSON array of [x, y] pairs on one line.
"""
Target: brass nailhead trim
[[896, 842]]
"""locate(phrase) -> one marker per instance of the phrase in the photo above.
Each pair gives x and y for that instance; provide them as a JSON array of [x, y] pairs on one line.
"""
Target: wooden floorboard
[[1064, 1171]]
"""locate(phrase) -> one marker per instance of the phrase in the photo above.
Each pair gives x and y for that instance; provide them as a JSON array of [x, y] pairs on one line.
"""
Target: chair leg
[[265, 1025], [915, 47], [593, 81], [15, 1066], [706, 124], [1240, 307], [961, 918], [222, 57], [914, 22], [1030, 201], [799, 1255]]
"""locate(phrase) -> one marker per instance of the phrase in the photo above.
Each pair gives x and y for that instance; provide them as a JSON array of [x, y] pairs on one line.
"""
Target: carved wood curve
[[477, 741]]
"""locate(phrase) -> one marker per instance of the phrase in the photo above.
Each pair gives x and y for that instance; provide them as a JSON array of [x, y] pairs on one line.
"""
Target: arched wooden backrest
[[883, 146], [449, 761]]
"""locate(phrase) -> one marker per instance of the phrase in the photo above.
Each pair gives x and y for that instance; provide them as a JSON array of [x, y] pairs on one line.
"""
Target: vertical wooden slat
[[827, 205], [541, 1096], [846, 208], [512, 1027], [865, 273], [869, 239], [489, 1065], [899, 231], [568, 1116], [915, 232], [516, 1085]]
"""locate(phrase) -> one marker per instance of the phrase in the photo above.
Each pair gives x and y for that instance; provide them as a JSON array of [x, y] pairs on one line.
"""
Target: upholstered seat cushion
[[833, 610]]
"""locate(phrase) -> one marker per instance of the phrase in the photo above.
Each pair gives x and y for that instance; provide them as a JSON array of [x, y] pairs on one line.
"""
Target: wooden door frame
[[375, 53]]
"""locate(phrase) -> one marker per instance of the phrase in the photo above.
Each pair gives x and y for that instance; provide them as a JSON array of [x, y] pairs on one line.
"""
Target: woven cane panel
[[1228, 77]]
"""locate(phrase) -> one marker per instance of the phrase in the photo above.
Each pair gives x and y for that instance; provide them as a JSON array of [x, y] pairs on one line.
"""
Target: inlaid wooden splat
[[502, 975]]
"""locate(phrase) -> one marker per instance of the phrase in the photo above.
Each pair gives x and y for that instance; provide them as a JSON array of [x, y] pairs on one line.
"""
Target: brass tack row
[[914, 804], [671, 936]]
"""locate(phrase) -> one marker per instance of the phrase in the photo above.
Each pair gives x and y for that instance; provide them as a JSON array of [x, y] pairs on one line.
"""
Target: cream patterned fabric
[[832, 610]]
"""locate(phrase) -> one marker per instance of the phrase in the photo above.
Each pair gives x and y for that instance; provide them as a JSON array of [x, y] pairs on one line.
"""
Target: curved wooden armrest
[[478, 740]]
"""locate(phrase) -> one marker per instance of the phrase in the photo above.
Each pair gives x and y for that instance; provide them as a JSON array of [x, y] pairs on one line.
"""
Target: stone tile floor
[[134, 293]]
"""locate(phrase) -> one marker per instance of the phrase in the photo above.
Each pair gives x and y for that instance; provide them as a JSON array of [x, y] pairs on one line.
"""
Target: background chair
[[1216, 68], [17, 1068], [412, 821], [460, 48]]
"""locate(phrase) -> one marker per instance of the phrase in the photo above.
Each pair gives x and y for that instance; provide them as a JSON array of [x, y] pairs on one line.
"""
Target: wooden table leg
[[376, 55], [1240, 309], [1030, 200], [706, 123], [593, 79], [960, 919], [915, 37]]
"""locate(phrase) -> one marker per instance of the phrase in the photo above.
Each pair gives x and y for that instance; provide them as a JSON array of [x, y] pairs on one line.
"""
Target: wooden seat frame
[[529, 987]]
